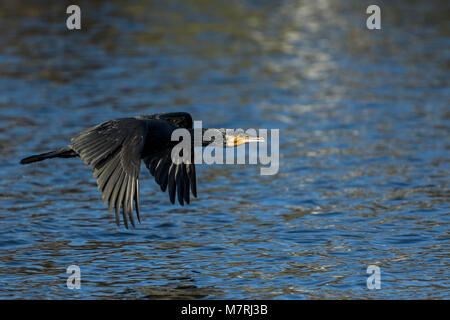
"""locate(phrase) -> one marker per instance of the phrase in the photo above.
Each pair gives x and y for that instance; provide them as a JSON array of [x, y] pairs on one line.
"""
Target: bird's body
[[114, 149]]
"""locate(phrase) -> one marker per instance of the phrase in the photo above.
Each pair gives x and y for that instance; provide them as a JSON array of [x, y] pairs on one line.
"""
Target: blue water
[[364, 123]]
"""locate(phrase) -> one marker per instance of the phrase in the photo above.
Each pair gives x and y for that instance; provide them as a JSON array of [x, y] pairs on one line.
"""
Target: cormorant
[[114, 149]]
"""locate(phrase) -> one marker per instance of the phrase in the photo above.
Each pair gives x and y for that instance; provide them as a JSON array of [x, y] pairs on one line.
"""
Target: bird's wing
[[114, 150], [179, 178]]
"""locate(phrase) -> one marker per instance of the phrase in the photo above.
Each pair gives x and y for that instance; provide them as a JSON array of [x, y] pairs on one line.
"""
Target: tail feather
[[65, 152]]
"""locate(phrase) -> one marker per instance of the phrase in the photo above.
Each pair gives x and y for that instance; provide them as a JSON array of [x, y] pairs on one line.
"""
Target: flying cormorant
[[114, 149]]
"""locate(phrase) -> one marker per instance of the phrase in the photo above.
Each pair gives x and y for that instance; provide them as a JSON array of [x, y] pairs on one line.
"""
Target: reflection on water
[[364, 131]]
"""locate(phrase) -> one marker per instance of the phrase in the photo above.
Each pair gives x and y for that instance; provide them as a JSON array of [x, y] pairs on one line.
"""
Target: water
[[364, 125]]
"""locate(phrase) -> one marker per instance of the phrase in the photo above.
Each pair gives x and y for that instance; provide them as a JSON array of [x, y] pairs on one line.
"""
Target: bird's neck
[[207, 136]]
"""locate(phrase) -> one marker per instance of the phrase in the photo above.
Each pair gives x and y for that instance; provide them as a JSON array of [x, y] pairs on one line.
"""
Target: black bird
[[114, 149]]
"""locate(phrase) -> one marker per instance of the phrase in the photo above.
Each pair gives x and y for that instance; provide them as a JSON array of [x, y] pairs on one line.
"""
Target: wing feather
[[164, 176], [136, 200], [180, 183], [178, 179], [172, 183], [192, 178], [119, 201], [127, 202], [186, 185], [114, 150]]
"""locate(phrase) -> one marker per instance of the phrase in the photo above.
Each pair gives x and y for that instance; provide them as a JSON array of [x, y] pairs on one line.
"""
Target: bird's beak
[[238, 140]]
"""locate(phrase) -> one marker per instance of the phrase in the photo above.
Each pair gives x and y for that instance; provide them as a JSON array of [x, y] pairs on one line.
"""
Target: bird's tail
[[65, 152]]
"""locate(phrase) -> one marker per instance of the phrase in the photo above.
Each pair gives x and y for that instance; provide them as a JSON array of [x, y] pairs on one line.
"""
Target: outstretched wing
[[180, 178], [114, 150]]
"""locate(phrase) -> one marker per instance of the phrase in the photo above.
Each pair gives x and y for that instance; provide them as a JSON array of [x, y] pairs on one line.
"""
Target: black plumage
[[114, 149]]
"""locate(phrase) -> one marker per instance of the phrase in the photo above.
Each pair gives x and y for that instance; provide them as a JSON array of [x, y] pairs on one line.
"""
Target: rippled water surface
[[364, 123]]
